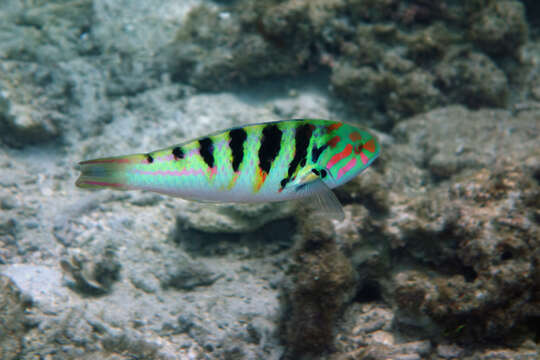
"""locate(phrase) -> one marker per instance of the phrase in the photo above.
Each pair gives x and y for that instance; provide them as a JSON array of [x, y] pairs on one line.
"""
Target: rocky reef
[[439, 253], [388, 59]]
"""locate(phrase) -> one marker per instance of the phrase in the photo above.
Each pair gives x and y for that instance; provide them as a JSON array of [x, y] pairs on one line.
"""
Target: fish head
[[348, 151]]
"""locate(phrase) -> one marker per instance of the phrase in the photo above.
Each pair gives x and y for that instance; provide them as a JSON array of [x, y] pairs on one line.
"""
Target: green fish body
[[272, 161]]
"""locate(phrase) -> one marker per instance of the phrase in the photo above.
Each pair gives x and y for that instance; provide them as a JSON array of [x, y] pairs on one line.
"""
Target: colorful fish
[[272, 161]]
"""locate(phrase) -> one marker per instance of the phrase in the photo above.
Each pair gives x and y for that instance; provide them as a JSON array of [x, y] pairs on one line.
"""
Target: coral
[[472, 78], [32, 98], [92, 276], [429, 45], [12, 315], [500, 27], [46, 32], [233, 218], [415, 93], [185, 274], [482, 235], [320, 282], [373, 10], [209, 61], [445, 228], [383, 70], [364, 87]]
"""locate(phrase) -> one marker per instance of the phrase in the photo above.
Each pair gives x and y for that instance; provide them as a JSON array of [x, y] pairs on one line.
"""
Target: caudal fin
[[105, 172]]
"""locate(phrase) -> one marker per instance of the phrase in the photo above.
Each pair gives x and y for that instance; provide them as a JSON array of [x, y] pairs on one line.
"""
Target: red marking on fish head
[[339, 156], [370, 146], [333, 127], [334, 141], [355, 136]]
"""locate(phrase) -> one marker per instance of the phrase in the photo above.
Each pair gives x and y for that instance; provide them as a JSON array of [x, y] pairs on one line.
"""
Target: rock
[[370, 89], [302, 106], [365, 88], [500, 27], [473, 79], [370, 319], [373, 10], [474, 134], [208, 62], [507, 355], [363, 51], [321, 281], [233, 218], [92, 275], [12, 315], [23, 126], [414, 93], [456, 243], [186, 274], [439, 241], [41, 284], [432, 43], [23, 120], [46, 33], [361, 237], [449, 351], [479, 236], [8, 203]]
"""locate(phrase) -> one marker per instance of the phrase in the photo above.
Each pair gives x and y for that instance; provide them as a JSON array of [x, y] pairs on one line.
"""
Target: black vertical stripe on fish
[[207, 151], [238, 138], [270, 146], [178, 153], [302, 137], [316, 152]]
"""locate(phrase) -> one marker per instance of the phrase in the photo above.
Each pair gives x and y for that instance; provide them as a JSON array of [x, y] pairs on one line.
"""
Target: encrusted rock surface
[[438, 255], [378, 62], [456, 255]]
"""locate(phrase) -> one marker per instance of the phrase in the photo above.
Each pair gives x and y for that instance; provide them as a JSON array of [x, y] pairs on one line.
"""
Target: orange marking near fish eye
[[355, 136], [334, 141], [260, 180], [233, 180], [333, 127], [212, 172], [370, 146], [339, 156]]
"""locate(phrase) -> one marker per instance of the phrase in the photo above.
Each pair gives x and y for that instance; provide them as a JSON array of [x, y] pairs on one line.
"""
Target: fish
[[261, 162]]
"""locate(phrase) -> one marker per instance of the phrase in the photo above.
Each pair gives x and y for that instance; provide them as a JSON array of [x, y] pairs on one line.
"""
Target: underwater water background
[[439, 253]]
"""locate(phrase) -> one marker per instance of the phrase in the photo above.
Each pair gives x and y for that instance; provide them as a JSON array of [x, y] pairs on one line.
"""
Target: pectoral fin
[[323, 199]]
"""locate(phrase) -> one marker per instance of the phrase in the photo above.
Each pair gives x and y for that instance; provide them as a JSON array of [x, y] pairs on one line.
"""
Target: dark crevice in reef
[[369, 292], [271, 238]]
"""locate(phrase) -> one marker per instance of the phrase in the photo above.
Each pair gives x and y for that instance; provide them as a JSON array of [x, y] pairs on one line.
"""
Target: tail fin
[[106, 172]]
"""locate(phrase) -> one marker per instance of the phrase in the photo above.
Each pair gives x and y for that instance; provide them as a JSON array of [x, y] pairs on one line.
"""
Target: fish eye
[[323, 173]]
